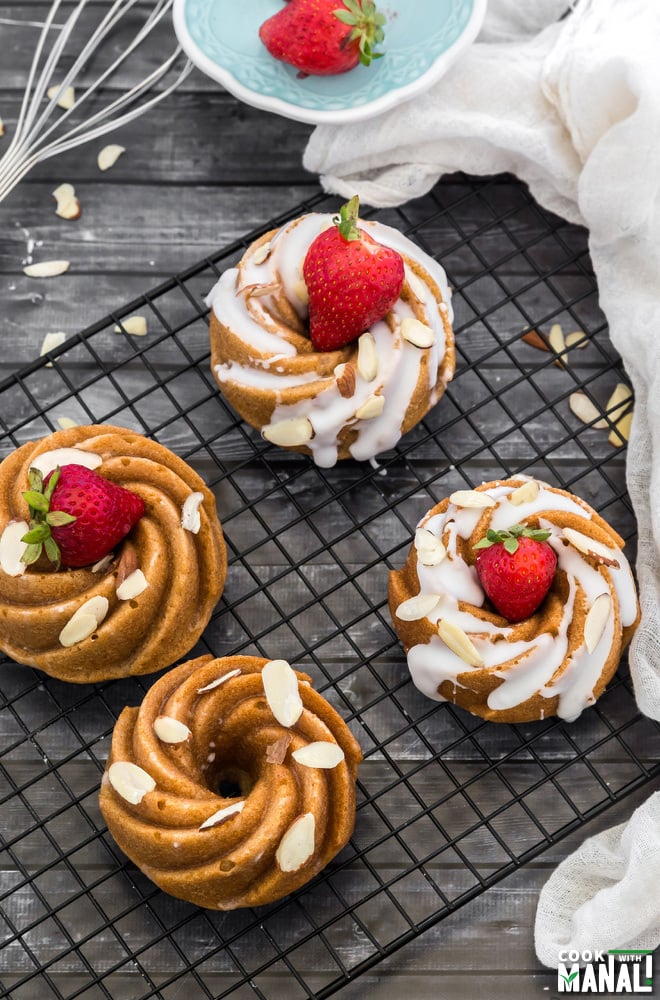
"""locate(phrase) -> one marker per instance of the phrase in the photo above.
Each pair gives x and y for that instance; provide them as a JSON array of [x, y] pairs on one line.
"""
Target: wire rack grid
[[448, 805]]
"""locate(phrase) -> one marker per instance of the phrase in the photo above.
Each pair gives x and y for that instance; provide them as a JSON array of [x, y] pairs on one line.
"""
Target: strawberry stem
[[346, 221], [367, 24], [39, 538], [509, 537]]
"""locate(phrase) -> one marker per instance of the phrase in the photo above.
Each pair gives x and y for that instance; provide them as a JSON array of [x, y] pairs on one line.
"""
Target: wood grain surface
[[198, 173]]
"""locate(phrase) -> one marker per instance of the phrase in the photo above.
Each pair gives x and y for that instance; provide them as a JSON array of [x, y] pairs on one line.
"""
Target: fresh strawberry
[[324, 37], [352, 281], [516, 569], [77, 516]]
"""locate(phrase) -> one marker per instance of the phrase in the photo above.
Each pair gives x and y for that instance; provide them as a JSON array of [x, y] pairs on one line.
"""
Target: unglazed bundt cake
[[502, 657], [233, 783], [303, 393], [144, 604]]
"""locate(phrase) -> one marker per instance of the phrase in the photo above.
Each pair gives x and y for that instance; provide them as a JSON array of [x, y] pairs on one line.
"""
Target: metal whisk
[[37, 136]]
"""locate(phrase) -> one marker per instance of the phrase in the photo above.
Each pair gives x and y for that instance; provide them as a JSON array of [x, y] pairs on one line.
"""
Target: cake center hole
[[232, 783]]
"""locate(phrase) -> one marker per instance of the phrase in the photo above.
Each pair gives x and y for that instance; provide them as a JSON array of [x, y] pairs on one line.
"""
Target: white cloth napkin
[[573, 108]]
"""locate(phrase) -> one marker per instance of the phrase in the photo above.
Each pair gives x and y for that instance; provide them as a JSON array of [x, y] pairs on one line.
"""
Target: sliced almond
[[134, 585], [590, 547], [12, 548], [67, 98], [50, 342], [430, 549], [130, 781], [367, 359], [322, 753], [222, 814], [282, 694], [257, 290], [345, 375], [109, 155], [191, 519], [577, 338], [417, 607], [586, 411], [276, 752], [471, 498], [526, 493], [300, 291], [128, 562], [534, 339], [262, 253], [557, 343], [417, 287], [49, 460], [218, 681], [84, 621], [622, 432], [102, 564], [417, 333], [596, 620], [371, 408], [297, 844], [618, 402], [68, 206], [46, 269], [289, 433], [459, 643], [66, 423], [170, 730], [136, 326]]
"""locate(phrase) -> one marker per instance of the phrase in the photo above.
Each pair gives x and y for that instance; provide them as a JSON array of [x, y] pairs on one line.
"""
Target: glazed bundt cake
[[558, 657], [355, 401], [233, 783], [145, 603]]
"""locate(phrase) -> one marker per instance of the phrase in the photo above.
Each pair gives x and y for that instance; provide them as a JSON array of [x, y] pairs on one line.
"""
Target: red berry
[[352, 281], [324, 37], [516, 570], [79, 520]]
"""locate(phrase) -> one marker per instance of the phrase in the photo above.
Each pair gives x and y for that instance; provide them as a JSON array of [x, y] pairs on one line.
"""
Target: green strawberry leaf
[[52, 483], [511, 545], [39, 533], [42, 518], [36, 480], [36, 500], [57, 518], [52, 551], [31, 554]]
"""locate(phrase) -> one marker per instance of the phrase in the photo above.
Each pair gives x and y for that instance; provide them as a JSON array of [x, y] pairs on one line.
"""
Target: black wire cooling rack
[[447, 805]]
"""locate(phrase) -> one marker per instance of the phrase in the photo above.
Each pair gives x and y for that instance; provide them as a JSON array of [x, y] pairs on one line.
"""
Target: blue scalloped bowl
[[422, 39]]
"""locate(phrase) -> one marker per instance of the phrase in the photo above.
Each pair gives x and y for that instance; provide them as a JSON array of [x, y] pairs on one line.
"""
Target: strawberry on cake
[[516, 602], [111, 555], [333, 336]]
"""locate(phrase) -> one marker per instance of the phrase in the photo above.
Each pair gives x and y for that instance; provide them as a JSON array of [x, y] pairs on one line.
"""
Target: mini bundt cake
[[144, 604], [353, 401], [233, 783], [541, 659]]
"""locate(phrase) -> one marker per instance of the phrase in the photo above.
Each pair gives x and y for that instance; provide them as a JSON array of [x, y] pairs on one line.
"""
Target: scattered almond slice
[[471, 498], [430, 549], [49, 460], [47, 269], [12, 548], [68, 206], [222, 814], [322, 753], [102, 564], [258, 291], [367, 359], [297, 844], [622, 432], [577, 338], [84, 621], [417, 287], [190, 517], [534, 339], [417, 607], [130, 781], [136, 326], [282, 694], [586, 411], [66, 423], [218, 681], [618, 402], [67, 98], [371, 408], [590, 547], [557, 343], [276, 752], [346, 381], [417, 333], [289, 433], [134, 585], [50, 342], [596, 620], [109, 155], [526, 493], [459, 643], [262, 253], [170, 730]]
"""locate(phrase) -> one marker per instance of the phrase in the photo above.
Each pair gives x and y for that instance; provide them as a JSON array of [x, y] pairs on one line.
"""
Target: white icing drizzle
[[525, 666], [399, 362]]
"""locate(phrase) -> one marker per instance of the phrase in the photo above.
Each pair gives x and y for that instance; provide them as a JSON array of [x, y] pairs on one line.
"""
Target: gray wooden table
[[198, 173]]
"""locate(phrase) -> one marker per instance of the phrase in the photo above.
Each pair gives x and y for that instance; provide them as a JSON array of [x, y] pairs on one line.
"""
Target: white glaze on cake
[[526, 666], [399, 362]]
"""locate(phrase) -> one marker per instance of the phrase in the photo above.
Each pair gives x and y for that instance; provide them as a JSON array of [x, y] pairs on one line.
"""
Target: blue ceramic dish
[[422, 39]]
